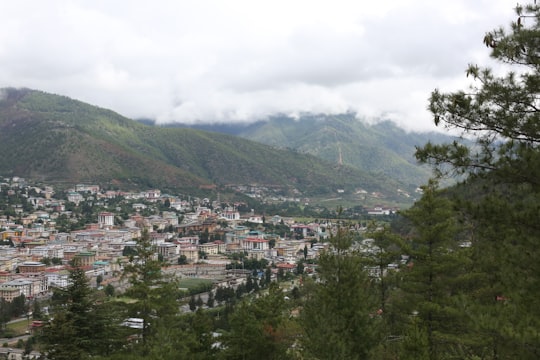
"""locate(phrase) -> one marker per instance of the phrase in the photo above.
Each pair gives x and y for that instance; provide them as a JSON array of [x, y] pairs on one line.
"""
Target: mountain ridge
[[380, 147], [53, 137]]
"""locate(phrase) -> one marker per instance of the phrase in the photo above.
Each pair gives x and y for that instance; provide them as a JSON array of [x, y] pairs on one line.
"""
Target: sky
[[244, 60]]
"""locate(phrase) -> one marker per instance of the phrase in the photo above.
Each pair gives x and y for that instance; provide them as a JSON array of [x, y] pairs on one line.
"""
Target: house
[[23, 286], [188, 240], [180, 205], [152, 195], [139, 206], [302, 230], [6, 234], [276, 219], [256, 219], [170, 217], [5, 276], [286, 251], [286, 267], [110, 194], [221, 246], [8, 263]]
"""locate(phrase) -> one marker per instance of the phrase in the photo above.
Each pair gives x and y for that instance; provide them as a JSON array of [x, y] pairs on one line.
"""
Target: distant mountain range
[[381, 148], [58, 139]]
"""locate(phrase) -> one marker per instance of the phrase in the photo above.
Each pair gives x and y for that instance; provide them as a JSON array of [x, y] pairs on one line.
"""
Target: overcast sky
[[230, 61]]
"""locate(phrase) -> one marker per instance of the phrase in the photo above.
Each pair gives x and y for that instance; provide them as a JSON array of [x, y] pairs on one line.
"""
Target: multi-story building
[[8, 293], [168, 250], [105, 219], [32, 267], [59, 279], [191, 252], [85, 258]]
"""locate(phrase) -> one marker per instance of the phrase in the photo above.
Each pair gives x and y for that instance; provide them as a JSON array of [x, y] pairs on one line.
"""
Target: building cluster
[[193, 236]]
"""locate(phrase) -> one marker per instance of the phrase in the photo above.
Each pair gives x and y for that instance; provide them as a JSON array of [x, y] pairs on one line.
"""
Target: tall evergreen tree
[[155, 294], [432, 282], [380, 250], [339, 316], [259, 329], [501, 114], [81, 327]]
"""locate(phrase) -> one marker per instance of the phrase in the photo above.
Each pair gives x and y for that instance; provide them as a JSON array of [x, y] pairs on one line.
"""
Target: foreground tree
[[434, 280], [260, 328], [383, 249], [154, 293], [82, 327], [502, 114], [340, 313]]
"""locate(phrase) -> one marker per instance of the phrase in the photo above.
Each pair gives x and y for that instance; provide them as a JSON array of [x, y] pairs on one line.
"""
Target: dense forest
[[467, 280]]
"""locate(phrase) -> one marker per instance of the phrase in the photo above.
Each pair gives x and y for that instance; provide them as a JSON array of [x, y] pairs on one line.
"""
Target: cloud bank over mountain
[[233, 61]]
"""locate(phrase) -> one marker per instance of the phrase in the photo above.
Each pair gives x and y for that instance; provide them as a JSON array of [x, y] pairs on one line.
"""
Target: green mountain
[[382, 148], [54, 138]]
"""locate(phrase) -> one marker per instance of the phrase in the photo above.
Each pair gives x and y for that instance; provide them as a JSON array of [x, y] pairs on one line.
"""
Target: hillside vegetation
[[55, 138], [382, 148]]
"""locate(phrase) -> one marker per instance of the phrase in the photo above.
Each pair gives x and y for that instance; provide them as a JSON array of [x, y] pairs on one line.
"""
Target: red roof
[[285, 266], [256, 240]]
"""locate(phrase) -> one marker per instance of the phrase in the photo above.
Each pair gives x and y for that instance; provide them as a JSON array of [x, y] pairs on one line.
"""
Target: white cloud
[[238, 60]]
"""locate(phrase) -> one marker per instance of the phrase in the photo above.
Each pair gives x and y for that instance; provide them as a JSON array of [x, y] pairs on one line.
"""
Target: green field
[[192, 283], [17, 328]]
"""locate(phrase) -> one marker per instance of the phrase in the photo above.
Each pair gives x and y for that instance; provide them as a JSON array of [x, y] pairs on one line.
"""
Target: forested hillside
[[381, 147], [55, 138]]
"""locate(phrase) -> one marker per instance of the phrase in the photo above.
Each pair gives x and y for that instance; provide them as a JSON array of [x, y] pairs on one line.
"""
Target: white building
[[230, 214], [75, 197], [105, 219], [58, 279], [251, 243]]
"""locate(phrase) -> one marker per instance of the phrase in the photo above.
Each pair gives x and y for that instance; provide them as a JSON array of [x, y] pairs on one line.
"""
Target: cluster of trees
[[487, 294], [8, 202], [13, 309], [241, 261]]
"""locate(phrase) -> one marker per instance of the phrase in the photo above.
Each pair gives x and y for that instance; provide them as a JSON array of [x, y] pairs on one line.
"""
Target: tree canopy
[[500, 113]]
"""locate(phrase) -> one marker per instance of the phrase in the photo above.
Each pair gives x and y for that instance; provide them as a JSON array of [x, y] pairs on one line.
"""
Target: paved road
[[14, 339]]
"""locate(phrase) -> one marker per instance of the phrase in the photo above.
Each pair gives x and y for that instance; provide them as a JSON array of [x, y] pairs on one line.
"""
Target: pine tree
[[382, 250], [81, 327], [432, 282], [339, 316], [199, 302], [210, 300], [259, 329], [155, 294], [501, 114]]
